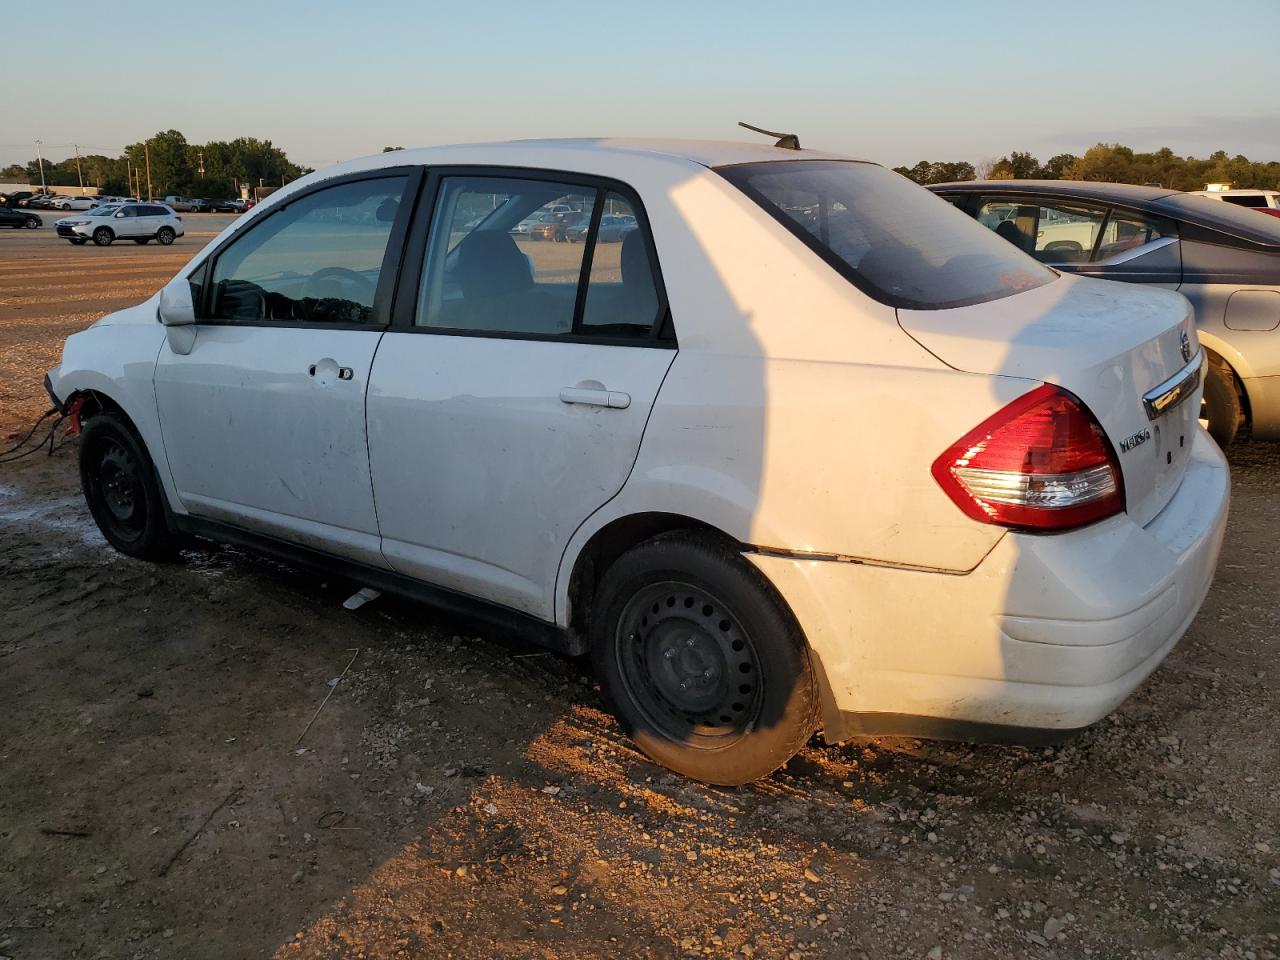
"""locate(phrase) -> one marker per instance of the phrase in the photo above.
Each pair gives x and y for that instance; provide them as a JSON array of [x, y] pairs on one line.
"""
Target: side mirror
[[178, 314], [120, 215], [177, 308]]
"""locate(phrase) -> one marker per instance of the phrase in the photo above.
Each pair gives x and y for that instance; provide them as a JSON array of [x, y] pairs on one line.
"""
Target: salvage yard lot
[[463, 794]]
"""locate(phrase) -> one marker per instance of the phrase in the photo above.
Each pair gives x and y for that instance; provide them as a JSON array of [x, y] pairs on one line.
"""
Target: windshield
[[892, 239], [1227, 217], [103, 211]]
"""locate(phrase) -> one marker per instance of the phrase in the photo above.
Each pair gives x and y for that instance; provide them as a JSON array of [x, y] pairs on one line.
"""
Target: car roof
[[1190, 208], [1116, 192], [705, 153]]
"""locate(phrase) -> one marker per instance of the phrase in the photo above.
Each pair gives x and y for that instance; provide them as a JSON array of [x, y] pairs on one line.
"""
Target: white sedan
[[75, 203], [808, 450]]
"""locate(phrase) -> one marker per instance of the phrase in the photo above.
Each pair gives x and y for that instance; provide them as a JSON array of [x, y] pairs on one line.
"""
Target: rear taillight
[[1041, 463]]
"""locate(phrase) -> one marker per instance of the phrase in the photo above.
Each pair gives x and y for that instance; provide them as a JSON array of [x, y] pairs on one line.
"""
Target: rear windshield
[[1227, 217], [892, 239]]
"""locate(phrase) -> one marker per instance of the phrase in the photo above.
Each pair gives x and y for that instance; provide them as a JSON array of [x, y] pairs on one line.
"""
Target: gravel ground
[[462, 794]]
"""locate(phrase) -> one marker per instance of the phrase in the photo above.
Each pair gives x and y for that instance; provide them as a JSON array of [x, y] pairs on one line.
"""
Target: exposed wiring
[[50, 437], [35, 426]]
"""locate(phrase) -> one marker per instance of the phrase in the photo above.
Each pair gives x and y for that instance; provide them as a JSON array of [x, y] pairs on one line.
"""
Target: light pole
[[40, 157]]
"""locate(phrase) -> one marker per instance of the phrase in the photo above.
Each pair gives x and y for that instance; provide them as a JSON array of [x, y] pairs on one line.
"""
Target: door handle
[[588, 396], [327, 370]]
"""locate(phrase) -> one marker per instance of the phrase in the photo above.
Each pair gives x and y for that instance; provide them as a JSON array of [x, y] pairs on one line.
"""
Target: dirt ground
[[461, 794]]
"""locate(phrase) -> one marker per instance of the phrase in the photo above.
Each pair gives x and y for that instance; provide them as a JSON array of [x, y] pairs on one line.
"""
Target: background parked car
[[139, 222], [1265, 200], [1221, 256], [17, 219], [180, 204], [613, 229], [201, 205], [556, 226], [16, 198], [75, 203]]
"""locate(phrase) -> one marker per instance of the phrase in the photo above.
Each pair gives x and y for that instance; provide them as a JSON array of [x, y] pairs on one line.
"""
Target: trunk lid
[[1111, 344]]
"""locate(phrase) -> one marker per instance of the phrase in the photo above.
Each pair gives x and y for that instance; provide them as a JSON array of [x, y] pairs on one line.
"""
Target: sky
[[894, 82]]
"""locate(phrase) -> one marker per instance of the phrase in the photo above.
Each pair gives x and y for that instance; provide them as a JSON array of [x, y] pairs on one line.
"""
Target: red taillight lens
[[1041, 463]]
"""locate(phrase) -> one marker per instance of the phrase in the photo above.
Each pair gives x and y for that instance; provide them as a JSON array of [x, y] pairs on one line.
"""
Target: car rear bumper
[[1049, 633]]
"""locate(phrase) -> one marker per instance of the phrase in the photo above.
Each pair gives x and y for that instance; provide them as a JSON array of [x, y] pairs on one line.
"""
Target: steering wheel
[[365, 285]]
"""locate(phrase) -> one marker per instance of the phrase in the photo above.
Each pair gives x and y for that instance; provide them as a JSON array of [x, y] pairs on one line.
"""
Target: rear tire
[[165, 235], [1221, 404], [703, 664], [121, 489], [103, 237]]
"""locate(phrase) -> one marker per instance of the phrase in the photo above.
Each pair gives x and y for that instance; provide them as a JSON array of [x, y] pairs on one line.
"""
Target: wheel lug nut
[[669, 654], [707, 673]]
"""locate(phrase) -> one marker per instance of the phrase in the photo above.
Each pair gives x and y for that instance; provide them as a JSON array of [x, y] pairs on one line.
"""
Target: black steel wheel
[[701, 660], [689, 665], [120, 487]]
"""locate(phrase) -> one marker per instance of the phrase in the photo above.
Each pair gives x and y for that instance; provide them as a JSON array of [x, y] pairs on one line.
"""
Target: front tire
[[165, 235], [120, 487], [33, 224], [1221, 407], [103, 237], [703, 664]]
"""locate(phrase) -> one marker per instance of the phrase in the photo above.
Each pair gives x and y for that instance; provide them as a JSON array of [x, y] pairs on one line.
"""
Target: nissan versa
[[807, 449]]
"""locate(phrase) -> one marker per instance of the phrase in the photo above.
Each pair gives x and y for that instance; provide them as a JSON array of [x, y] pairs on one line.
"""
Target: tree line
[[213, 169], [1109, 163]]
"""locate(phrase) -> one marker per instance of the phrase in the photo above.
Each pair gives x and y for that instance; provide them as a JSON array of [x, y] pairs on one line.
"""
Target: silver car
[[1224, 259]]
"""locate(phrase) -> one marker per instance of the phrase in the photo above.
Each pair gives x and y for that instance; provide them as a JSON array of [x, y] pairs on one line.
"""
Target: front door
[[510, 401], [263, 420]]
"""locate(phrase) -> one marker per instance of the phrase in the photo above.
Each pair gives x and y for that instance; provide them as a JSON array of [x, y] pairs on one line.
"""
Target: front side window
[[511, 255], [318, 259], [893, 239]]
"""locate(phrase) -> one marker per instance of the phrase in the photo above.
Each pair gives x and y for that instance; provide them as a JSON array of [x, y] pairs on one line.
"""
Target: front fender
[[117, 361]]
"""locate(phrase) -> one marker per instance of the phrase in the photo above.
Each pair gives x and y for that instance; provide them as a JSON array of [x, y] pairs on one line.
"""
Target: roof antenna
[[787, 141]]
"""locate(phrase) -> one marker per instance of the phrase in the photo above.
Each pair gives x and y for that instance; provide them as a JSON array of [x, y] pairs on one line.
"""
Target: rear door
[[263, 420], [508, 400]]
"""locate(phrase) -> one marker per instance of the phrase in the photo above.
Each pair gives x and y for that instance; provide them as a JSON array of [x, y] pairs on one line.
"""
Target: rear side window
[[1246, 200], [532, 257], [318, 259], [896, 241]]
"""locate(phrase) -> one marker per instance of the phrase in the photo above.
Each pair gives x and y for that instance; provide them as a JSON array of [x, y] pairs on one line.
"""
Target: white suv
[[1256, 199], [139, 222], [808, 448]]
